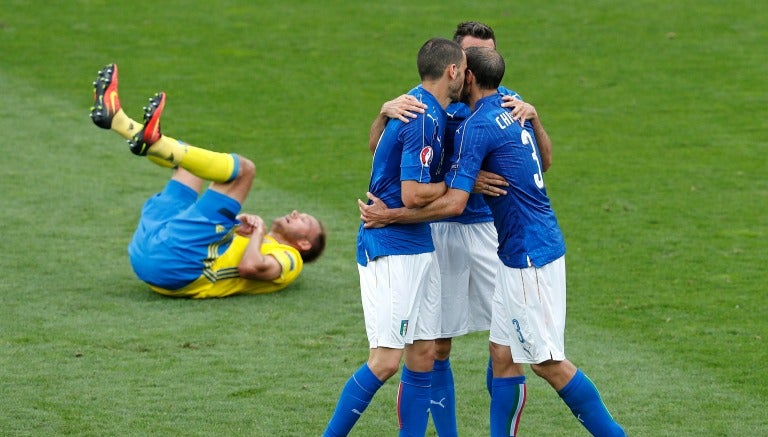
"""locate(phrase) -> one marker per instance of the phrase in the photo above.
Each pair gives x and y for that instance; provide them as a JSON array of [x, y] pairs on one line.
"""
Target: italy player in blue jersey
[[202, 246], [399, 280], [466, 244], [528, 316]]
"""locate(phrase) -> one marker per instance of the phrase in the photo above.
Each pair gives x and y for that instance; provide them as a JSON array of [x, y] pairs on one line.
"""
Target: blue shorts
[[179, 234]]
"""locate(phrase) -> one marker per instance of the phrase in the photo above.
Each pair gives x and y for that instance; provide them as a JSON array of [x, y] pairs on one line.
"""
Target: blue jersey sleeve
[[467, 159], [508, 92], [419, 137]]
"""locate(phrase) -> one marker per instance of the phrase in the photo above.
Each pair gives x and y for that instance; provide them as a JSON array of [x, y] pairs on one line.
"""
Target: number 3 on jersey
[[538, 178]]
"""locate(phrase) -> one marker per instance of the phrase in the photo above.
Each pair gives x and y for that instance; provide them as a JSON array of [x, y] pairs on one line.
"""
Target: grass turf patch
[[657, 118]]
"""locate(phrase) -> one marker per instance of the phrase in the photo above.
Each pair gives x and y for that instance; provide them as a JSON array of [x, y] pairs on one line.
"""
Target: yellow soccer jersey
[[221, 278]]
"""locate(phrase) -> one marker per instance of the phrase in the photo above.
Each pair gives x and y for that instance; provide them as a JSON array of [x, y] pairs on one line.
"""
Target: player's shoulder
[[425, 97], [508, 92], [419, 92], [457, 111], [288, 256], [270, 243], [488, 108]]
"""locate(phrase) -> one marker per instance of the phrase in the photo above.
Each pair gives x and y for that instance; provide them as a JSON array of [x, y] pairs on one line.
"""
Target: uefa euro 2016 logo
[[426, 156]]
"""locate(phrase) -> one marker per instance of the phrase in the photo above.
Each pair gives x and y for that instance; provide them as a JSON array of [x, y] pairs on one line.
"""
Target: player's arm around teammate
[[405, 107]]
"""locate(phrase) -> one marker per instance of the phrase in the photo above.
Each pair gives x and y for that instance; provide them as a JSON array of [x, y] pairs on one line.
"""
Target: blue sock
[[489, 377], [582, 397], [443, 402], [354, 399], [507, 402], [413, 402]]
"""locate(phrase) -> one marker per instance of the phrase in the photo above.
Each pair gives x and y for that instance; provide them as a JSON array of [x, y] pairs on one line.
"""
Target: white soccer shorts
[[468, 264], [529, 312], [401, 299]]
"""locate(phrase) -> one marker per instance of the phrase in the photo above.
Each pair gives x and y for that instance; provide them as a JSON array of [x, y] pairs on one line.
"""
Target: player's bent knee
[[541, 370], [384, 362], [551, 369], [384, 369], [442, 348], [247, 168]]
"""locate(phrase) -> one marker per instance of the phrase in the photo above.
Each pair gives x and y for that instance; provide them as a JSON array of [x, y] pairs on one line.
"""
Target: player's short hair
[[487, 65], [474, 29], [318, 246], [437, 54]]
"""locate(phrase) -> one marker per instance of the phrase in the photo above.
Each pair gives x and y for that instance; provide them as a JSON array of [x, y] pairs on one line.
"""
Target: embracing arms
[[377, 215], [405, 107]]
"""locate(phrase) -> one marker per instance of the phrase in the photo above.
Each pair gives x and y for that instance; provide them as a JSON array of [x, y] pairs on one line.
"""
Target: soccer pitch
[[657, 115]]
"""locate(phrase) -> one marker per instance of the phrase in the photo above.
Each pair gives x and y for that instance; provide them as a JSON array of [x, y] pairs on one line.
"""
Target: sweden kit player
[[202, 246]]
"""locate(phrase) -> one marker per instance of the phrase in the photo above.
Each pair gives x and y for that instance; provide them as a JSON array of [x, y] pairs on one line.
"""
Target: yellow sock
[[124, 125], [203, 163], [169, 152], [127, 128], [160, 161]]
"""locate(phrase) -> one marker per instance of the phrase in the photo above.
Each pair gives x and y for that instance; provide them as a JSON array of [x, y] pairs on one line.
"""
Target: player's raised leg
[[169, 152], [106, 112]]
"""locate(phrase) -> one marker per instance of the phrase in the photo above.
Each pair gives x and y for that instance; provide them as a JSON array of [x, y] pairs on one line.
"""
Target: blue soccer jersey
[[477, 210], [406, 151], [529, 234]]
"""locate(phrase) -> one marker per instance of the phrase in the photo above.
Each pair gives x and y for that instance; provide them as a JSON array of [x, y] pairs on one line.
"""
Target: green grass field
[[657, 112]]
